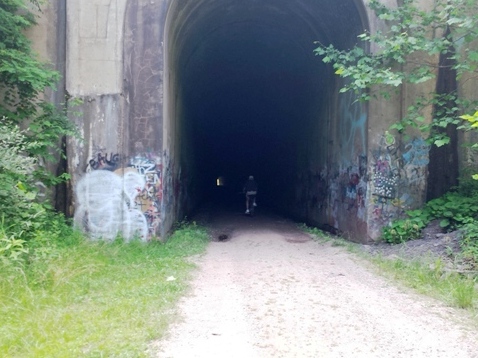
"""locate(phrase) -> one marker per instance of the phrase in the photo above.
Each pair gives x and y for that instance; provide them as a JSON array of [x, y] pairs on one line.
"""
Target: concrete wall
[[48, 42], [115, 69], [369, 176], [398, 164], [132, 170], [95, 47], [94, 83], [335, 181]]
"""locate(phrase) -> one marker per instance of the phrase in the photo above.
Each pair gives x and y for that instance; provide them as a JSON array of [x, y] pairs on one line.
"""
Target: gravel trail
[[271, 291]]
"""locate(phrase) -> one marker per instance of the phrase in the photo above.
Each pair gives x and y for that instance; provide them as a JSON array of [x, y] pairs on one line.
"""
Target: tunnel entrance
[[245, 95]]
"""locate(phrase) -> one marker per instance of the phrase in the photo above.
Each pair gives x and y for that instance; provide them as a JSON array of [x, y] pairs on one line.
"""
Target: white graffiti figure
[[106, 205]]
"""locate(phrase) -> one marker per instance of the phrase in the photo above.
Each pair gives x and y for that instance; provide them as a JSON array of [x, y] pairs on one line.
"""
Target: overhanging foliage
[[408, 52]]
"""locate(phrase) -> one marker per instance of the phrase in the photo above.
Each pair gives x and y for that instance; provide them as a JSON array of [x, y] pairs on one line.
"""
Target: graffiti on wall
[[415, 159], [339, 195], [168, 184], [106, 205], [386, 178], [151, 196], [317, 182], [345, 181], [356, 189], [353, 126], [126, 199], [103, 162], [399, 178], [348, 193]]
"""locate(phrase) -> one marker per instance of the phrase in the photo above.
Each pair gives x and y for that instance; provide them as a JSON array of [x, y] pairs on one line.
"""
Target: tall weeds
[[75, 298]]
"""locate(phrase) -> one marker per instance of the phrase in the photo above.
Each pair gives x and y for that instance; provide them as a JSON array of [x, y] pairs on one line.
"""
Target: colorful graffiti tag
[[350, 191], [356, 193], [345, 189], [398, 179], [150, 198], [415, 159], [385, 181], [126, 200]]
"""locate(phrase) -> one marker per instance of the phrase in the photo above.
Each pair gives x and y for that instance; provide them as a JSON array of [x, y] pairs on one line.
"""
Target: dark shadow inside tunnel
[[247, 96]]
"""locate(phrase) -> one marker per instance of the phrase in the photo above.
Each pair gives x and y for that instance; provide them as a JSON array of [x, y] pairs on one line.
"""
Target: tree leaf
[[444, 223]]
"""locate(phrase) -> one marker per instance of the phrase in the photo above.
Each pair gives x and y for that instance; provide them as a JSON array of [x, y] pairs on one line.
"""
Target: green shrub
[[455, 209], [31, 128], [12, 249], [468, 186], [22, 215], [402, 230]]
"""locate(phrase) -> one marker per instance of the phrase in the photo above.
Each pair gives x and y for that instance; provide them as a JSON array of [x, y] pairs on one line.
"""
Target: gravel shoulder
[[269, 290]]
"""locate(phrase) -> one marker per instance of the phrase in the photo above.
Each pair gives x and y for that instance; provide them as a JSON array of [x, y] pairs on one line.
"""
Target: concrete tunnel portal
[[246, 95]]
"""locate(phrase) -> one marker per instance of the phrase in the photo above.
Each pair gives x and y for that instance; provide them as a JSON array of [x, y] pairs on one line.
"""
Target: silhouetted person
[[250, 189]]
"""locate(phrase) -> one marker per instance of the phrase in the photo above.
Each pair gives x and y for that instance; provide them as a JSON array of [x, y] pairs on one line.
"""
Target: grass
[[429, 278], [90, 299], [432, 280]]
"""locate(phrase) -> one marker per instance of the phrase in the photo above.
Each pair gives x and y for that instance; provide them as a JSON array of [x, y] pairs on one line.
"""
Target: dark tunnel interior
[[251, 97]]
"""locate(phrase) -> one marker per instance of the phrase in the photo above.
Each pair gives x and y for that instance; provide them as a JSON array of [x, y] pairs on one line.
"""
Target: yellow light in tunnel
[[220, 181]]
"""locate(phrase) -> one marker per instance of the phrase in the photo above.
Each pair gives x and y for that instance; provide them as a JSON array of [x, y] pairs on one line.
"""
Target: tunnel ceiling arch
[[328, 21], [207, 28], [260, 51]]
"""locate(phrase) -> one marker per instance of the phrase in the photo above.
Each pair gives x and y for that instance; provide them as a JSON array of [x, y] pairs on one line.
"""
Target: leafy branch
[[407, 53], [30, 126]]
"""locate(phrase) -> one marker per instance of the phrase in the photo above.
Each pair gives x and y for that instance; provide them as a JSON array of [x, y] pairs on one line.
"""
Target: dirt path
[[270, 291]]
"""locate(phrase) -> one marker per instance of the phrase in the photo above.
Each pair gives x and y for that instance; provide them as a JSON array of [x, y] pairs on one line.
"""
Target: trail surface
[[271, 291]]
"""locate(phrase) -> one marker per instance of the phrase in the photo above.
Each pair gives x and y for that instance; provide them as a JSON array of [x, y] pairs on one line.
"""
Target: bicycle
[[250, 202]]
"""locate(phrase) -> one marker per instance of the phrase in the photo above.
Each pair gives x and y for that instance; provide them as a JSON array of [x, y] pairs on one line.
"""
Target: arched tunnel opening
[[247, 96]]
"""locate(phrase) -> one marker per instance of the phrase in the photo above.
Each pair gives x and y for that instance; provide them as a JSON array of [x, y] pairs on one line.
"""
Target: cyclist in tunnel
[[250, 189]]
